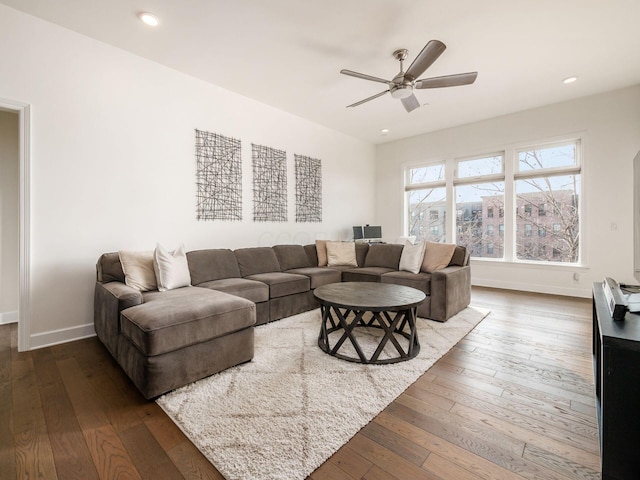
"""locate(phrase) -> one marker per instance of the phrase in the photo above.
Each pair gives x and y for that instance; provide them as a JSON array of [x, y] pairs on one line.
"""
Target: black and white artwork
[[218, 177], [308, 189], [269, 184]]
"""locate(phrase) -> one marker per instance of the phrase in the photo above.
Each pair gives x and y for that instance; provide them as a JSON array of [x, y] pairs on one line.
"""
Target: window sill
[[529, 264]]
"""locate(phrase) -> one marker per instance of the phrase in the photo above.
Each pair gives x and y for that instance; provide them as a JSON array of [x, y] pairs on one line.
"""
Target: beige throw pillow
[[321, 249], [437, 256], [171, 268], [138, 270], [412, 257], [341, 254]]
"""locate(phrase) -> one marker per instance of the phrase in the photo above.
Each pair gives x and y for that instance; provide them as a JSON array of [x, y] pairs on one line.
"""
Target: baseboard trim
[[534, 288], [63, 335], [9, 317]]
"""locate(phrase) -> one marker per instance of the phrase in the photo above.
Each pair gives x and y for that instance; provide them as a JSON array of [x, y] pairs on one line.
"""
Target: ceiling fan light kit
[[403, 84]]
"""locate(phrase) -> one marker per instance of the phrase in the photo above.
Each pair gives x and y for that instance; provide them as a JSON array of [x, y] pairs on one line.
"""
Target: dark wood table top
[[369, 296]]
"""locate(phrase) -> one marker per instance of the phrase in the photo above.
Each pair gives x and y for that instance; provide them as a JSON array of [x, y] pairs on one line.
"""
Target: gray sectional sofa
[[164, 340]]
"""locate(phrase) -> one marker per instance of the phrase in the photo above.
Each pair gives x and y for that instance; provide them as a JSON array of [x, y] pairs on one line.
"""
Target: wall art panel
[[269, 184], [308, 189], [218, 177]]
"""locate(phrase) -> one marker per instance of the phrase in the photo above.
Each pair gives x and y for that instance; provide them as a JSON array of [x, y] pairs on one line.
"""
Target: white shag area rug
[[283, 414]]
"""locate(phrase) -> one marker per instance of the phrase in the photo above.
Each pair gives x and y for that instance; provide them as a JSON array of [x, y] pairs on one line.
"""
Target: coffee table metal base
[[401, 322]]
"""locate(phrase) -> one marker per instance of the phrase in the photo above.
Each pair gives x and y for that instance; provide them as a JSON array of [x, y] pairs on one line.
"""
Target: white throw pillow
[[412, 256], [138, 270], [172, 269], [341, 254]]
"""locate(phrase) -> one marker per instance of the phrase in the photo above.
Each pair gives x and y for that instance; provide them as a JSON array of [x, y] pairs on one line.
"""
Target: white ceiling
[[288, 53]]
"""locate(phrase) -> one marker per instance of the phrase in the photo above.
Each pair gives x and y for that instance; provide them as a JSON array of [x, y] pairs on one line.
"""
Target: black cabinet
[[616, 360]]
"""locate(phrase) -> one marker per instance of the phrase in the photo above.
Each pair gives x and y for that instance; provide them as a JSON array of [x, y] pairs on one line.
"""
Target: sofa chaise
[[166, 339]]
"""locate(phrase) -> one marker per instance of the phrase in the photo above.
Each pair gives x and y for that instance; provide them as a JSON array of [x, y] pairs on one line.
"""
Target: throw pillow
[[437, 256], [138, 270], [341, 254], [321, 249], [172, 269], [412, 257]]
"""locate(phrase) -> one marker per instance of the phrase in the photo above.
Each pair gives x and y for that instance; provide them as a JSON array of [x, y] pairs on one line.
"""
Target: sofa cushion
[[341, 253], [138, 269], [282, 284], [437, 256], [364, 274], [109, 268], [321, 252], [319, 275], [188, 316], [421, 281], [243, 287], [171, 268], [257, 260], [291, 256], [460, 256], [384, 255], [212, 264]]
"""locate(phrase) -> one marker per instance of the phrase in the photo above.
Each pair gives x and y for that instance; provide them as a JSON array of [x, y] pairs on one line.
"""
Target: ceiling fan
[[403, 83]]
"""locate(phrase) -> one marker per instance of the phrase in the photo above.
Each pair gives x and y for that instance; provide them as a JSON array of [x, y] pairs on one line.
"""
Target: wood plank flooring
[[513, 400]]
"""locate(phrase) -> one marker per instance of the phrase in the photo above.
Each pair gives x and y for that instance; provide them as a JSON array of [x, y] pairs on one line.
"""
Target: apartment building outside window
[[541, 203]]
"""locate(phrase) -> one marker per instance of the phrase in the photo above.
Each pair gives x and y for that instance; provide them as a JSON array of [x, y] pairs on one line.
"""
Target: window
[[540, 192], [542, 209], [549, 176], [426, 202], [479, 191], [527, 230]]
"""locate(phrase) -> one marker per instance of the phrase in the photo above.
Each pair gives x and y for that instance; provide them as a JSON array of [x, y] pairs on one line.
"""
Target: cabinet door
[[620, 413]]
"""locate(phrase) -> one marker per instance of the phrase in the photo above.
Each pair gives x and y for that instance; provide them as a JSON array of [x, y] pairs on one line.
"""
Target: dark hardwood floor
[[513, 400]]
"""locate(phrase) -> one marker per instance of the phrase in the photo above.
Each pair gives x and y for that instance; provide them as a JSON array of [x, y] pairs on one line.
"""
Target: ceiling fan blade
[[410, 103], [425, 58], [367, 99], [351, 73], [447, 80]]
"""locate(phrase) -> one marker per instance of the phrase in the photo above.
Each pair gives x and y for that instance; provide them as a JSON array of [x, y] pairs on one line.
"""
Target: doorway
[[18, 197]]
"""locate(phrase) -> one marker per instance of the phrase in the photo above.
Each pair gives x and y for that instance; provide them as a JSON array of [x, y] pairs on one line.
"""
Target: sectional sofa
[[167, 339]]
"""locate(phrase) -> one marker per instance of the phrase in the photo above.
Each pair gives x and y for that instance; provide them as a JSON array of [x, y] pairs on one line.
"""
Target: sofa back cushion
[[384, 255], [292, 256], [212, 264], [109, 268], [257, 260], [362, 249], [460, 257]]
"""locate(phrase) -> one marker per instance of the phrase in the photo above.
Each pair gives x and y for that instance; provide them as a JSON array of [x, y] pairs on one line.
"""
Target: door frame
[[24, 307]]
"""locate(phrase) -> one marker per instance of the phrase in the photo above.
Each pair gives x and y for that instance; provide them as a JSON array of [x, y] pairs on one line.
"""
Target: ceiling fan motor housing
[[401, 91]]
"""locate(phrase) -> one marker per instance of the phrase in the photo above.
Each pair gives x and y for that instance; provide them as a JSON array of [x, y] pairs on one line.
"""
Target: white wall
[[113, 166], [610, 126], [9, 216]]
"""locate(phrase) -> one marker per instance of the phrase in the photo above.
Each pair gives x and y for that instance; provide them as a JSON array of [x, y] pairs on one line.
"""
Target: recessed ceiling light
[[149, 18], [569, 80], [384, 131]]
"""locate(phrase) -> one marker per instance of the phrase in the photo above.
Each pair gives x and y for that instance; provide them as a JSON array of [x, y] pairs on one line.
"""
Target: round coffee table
[[391, 308]]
